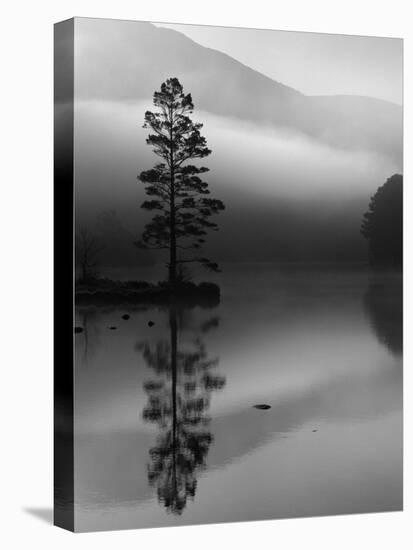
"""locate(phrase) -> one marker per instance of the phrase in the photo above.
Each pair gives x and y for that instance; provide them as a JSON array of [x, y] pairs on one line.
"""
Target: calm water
[[166, 432]]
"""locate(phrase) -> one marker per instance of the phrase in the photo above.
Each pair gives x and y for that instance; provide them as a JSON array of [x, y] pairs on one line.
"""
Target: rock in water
[[262, 406], [78, 330], [126, 317], [150, 324], [113, 328]]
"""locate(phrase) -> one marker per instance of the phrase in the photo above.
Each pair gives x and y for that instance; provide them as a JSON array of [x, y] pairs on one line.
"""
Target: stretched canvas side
[[63, 275]]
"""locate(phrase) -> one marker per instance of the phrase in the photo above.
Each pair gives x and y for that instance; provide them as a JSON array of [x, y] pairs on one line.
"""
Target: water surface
[[165, 425]]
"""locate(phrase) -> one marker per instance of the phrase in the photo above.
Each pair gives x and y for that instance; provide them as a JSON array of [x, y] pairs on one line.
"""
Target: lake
[[166, 432]]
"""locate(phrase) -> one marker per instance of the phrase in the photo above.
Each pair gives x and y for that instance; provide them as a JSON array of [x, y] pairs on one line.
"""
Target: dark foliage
[[177, 193], [382, 224]]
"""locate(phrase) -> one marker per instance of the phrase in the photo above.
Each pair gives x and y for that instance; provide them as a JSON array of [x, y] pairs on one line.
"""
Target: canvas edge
[[63, 202]]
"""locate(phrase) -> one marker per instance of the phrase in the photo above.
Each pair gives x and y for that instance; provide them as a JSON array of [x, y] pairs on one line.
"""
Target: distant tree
[[382, 224], [119, 249], [87, 254], [179, 193]]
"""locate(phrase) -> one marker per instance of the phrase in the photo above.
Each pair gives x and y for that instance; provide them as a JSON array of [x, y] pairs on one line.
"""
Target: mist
[[311, 194]]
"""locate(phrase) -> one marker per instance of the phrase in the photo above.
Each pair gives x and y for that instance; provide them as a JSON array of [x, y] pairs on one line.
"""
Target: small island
[[104, 291]]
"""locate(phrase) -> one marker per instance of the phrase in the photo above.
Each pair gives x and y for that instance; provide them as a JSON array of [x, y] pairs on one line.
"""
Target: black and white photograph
[[206, 266], [238, 283]]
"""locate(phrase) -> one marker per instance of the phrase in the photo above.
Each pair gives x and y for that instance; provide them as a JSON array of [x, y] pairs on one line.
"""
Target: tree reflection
[[383, 301], [91, 335], [178, 401]]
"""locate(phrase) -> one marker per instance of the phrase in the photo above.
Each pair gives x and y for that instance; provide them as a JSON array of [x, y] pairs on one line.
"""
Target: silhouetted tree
[[179, 192], [382, 225], [87, 254], [177, 401]]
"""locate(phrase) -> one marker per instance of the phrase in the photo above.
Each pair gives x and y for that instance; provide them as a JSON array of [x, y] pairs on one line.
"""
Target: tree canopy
[[382, 224]]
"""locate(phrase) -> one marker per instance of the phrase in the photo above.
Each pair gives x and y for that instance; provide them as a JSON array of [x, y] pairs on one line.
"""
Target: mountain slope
[[127, 61]]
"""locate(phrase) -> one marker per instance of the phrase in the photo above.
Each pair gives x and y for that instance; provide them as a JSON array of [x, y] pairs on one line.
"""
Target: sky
[[312, 63]]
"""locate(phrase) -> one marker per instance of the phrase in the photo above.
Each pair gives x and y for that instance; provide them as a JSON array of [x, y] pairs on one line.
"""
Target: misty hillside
[[124, 60]]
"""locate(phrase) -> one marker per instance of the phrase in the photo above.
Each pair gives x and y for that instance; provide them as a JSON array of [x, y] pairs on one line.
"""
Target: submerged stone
[[150, 323], [262, 406], [113, 328], [126, 317], [78, 330]]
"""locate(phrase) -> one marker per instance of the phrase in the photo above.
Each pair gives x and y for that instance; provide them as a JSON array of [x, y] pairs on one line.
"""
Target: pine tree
[[179, 194]]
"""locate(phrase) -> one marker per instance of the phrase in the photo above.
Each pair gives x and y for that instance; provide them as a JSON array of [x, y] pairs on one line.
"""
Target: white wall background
[[26, 272]]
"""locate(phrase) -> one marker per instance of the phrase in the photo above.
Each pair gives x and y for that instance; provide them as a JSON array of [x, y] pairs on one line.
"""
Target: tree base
[[107, 292]]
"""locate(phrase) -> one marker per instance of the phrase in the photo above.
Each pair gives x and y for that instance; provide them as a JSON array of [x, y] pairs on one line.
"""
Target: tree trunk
[[172, 245], [172, 251]]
